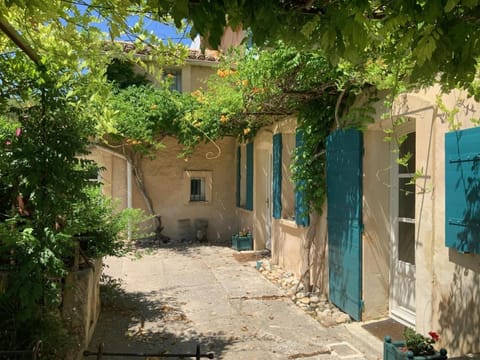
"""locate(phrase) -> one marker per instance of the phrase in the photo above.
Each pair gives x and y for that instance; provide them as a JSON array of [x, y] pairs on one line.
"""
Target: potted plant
[[414, 346], [243, 240]]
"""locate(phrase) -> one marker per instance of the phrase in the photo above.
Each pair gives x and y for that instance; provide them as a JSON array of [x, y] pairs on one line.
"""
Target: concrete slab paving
[[172, 299]]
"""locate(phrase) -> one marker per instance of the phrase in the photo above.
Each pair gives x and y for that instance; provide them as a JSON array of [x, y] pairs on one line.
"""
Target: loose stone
[[315, 304]]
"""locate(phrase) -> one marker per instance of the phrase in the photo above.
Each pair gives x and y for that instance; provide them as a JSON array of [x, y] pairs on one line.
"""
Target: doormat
[[382, 328]]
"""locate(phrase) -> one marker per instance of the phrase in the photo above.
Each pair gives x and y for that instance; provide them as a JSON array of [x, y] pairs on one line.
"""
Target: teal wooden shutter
[[249, 177], [239, 170], [277, 176], [344, 222], [462, 190], [302, 217]]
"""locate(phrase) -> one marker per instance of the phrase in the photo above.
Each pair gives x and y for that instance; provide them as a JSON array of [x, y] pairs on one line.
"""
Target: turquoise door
[[344, 196]]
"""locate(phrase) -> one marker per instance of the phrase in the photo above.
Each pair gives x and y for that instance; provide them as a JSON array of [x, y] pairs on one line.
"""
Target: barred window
[[197, 189]]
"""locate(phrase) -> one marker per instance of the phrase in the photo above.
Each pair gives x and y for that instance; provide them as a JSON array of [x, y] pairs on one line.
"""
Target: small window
[[175, 79], [197, 189], [94, 175]]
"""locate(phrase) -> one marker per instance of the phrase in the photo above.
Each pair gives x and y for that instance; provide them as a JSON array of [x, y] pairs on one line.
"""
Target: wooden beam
[[8, 30]]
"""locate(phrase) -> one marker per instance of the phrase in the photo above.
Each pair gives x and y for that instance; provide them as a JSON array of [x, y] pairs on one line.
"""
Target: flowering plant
[[245, 232], [419, 344]]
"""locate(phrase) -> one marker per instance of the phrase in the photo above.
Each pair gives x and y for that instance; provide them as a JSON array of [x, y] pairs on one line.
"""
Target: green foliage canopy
[[259, 87], [438, 38]]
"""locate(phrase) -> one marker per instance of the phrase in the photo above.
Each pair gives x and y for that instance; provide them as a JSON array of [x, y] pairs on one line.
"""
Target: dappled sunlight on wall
[[459, 309]]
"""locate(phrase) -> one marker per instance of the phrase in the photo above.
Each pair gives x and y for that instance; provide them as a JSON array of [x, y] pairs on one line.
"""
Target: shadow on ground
[[148, 323], [147, 246]]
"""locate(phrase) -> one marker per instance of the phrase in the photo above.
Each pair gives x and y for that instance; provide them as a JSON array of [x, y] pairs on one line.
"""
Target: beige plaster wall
[[169, 187], [168, 183], [112, 175], [81, 305], [196, 75], [287, 249], [231, 38], [376, 220], [455, 278]]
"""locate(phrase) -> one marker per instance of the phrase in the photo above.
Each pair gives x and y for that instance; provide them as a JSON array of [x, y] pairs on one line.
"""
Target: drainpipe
[[129, 182], [129, 194]]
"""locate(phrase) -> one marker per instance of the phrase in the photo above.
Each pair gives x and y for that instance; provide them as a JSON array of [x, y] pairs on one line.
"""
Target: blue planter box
[[393, 350], [242, 242]]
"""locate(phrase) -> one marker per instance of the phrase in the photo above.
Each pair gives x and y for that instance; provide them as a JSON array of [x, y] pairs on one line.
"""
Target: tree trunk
[[306, 274], [135, 160]]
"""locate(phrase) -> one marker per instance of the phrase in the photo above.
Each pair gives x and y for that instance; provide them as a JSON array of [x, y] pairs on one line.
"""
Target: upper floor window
[[175, 79]]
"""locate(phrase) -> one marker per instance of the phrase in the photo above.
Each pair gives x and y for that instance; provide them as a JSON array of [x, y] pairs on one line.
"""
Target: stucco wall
[[168, 184], [112, 174], [376, 238], [455, 278], [288, 244], [81, 306], [195, 75]]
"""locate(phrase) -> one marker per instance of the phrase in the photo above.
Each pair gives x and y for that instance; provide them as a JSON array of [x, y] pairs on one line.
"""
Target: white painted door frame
[[402, 273]]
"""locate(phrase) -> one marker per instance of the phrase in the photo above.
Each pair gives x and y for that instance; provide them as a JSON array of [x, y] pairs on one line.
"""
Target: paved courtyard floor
[[174, 298]]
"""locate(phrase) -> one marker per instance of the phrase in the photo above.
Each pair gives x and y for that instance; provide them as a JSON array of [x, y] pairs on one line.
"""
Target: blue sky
[[165, 31], [162, 30]]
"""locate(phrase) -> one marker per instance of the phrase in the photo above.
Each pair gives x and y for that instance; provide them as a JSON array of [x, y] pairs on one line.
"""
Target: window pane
[[406, 198], [175, 78], [406, 242], [197, 189], [407, 148]]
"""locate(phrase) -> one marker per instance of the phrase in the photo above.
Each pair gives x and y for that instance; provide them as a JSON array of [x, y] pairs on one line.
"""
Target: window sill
[[288, 223], [203, 202], [242, 209]]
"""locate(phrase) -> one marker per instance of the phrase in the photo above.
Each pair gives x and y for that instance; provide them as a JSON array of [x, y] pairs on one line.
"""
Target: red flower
[[18, 132], [434, 336]]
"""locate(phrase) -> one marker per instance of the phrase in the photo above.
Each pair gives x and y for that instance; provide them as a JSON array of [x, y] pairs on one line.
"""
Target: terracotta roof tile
[[208, 55]]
